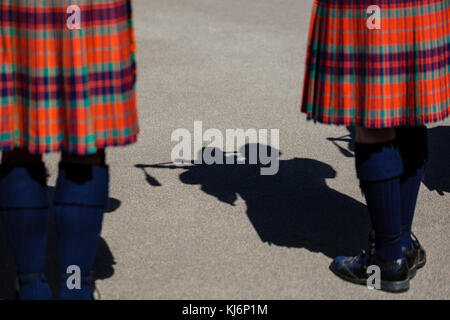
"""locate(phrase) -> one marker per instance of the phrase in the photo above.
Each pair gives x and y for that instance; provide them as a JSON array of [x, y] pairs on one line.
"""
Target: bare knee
[[365, 135], [19, 156], [98, 158]]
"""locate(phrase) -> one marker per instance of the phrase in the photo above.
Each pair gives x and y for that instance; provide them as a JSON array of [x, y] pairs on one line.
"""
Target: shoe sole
[[395, 286], [387, 286]]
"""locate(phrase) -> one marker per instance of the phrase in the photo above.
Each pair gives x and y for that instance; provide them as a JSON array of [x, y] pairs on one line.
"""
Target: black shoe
[[412, 259], [421, 253], [394, 275], [416, 257]]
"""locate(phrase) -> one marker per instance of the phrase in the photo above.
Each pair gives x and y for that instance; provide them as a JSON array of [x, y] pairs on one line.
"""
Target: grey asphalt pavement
[[226, 232]]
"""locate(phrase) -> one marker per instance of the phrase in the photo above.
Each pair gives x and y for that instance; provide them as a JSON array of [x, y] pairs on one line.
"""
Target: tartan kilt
[[381, 72], [66, 88]]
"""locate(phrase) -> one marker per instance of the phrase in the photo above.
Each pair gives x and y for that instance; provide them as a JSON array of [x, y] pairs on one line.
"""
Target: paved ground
[[225, 232]]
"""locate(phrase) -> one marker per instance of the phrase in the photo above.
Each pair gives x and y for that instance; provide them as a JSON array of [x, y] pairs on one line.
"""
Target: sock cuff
[[413, 146], [23, 186], [378, 161], [82, 185]]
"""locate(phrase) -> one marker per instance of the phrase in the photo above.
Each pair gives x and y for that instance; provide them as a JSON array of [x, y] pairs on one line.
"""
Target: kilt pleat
[[397, 75], [63, 88]]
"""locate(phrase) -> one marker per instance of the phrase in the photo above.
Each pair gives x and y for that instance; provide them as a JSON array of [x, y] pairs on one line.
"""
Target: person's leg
[[24, 207], [413, 144], [80, 199], [379, 166]]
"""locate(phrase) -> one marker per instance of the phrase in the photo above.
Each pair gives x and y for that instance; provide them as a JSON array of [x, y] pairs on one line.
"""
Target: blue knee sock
[[413, 145], [24, 207], [378, 168], [409, 191], [81, 196]]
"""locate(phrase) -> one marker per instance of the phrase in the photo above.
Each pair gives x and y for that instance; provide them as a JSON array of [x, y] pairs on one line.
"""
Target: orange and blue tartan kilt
[[65, 88], [378, 63]]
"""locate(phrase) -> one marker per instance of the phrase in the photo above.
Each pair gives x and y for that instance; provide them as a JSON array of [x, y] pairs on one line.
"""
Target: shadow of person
[[103, 265], [293, 208], [437, 173], [348, 139]]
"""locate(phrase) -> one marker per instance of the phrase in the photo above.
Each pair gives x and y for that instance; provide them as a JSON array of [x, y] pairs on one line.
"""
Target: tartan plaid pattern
[[398, 75], [63, 89]]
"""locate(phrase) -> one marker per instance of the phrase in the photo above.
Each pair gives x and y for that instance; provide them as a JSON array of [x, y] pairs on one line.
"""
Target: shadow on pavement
[[103, 265], [294, 208], [437, 173], [348, 150]]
